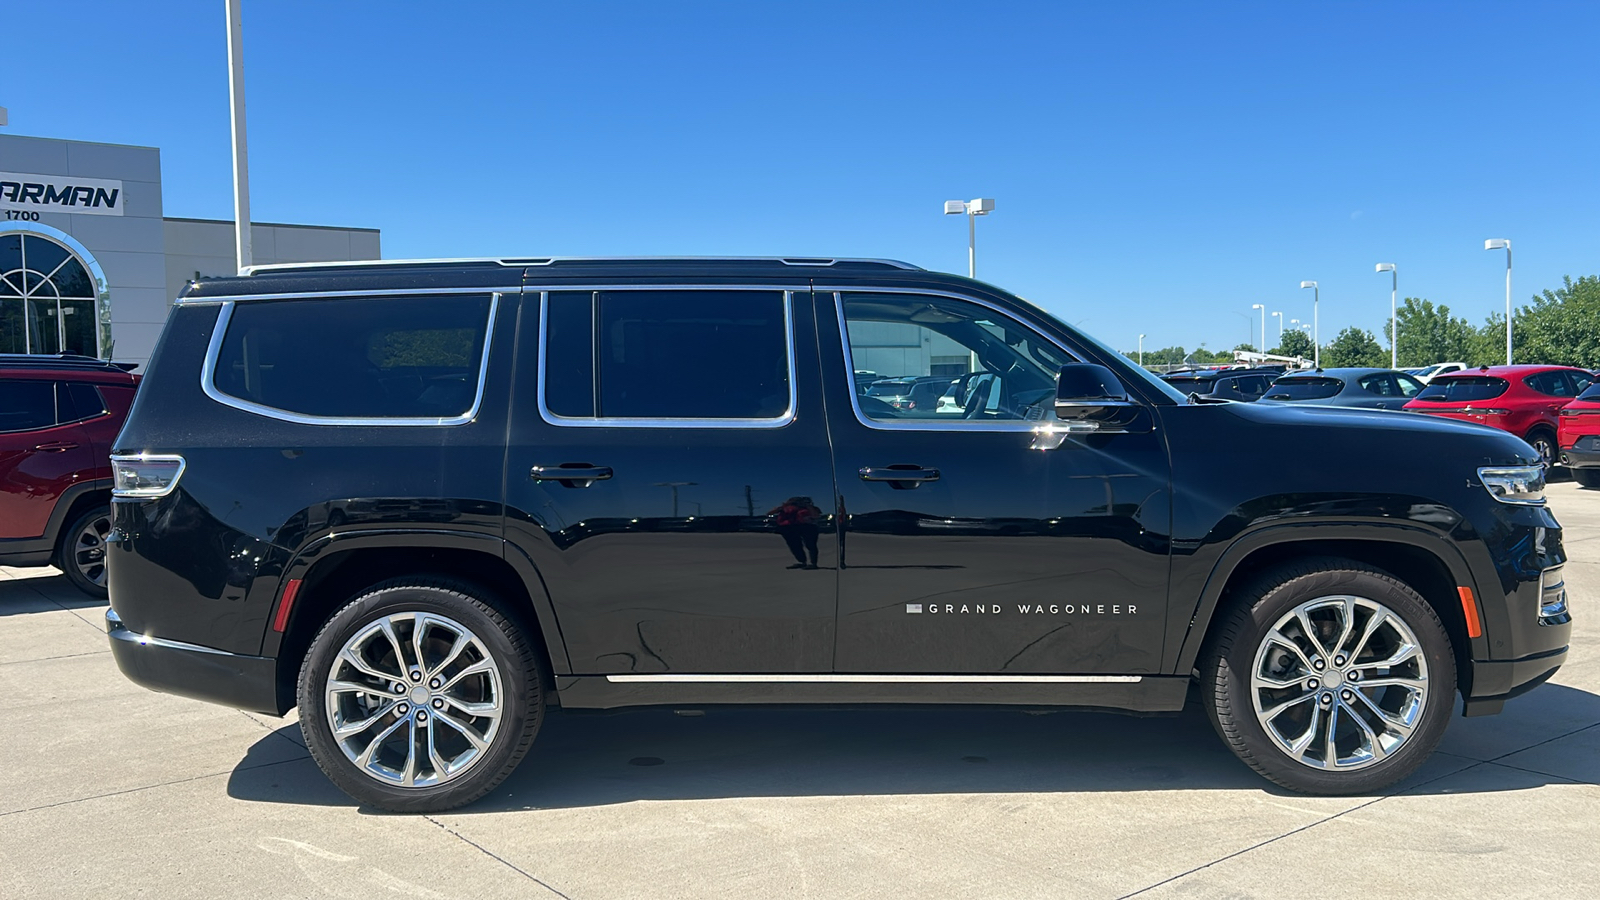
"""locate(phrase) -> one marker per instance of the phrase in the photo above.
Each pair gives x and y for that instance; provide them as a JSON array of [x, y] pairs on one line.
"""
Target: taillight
[[145, 476]]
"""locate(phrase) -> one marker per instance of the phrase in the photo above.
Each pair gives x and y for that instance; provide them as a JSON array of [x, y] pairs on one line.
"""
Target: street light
[[1316, 333], [1141, 350], [1263, 308], [1279, 317], [241, 165], [1394, 287], [973, 209], [1504, 244]]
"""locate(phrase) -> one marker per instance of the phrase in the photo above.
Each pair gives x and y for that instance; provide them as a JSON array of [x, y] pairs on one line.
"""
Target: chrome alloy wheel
[[88, 549], [414, 699], [1339, 683]]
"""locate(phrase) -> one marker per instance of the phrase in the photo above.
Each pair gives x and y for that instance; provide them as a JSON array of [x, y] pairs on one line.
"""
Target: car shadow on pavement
[[586, 759], [40, 589]]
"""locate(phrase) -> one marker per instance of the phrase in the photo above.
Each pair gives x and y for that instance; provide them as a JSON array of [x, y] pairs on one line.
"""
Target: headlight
[[1514, 484]]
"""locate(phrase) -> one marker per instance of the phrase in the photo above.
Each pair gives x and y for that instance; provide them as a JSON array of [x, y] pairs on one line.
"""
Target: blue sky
[[1157, 167]]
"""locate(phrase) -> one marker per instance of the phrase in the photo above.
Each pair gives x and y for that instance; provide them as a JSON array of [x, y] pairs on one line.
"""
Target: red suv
[[58, 418], [1524, 400], [1580, 437]]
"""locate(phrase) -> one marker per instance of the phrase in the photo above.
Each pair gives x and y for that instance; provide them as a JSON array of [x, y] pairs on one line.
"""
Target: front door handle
[[573, 475], [899, 476], [57, 447]]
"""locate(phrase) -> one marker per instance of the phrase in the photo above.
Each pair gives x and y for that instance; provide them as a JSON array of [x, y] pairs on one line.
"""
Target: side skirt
[[1134, 693]]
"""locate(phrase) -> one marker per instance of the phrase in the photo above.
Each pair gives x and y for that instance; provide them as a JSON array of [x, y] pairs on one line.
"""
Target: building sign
[[24, 197]]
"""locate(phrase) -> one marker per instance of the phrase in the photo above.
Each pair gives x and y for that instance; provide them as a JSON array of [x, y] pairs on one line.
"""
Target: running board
[[1137, 693]]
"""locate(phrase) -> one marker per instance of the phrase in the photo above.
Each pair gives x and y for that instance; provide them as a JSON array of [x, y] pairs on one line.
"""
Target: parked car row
[[1556, 409]]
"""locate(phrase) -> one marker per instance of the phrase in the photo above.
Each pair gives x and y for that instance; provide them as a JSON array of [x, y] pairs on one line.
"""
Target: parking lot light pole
[[1504, 244], [973, 209], [1394, 287], [1279, 317], [241, 165], [1316, 333], [1141, 351], [1263, 308]]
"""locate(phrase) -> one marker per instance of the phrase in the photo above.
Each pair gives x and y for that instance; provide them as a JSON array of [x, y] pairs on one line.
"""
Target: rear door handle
[[899, 476], [57, 447], [571, 474]]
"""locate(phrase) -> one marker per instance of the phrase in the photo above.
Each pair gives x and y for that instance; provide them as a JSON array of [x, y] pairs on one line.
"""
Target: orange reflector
[[1468, 606], [281, 620]]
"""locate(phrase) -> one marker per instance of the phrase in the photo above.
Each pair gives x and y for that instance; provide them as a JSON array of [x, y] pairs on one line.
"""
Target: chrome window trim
[[323, 295], [1019, 426], [220, 331], [673, 678], [787, 291]]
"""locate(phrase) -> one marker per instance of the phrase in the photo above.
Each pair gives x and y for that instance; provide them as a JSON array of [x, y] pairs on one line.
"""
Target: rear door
[[966, 550], [669, 473], [42, 454]]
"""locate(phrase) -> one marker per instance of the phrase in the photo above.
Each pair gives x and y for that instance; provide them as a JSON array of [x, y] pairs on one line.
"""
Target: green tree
[[1354, 347], [1294, 343], [1561, 327], [1429, 334]]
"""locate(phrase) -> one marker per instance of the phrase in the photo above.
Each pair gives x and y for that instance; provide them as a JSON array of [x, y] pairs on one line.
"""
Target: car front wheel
[[1330, 677], [420, 695]]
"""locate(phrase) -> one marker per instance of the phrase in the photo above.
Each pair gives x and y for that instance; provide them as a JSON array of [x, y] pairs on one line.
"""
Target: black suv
[[424, 501]]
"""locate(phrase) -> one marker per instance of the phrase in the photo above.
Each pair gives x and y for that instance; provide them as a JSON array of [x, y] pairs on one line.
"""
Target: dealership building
[[90, 263]]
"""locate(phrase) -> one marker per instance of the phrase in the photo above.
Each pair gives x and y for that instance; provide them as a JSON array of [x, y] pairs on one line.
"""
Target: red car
[[1580, 437], [58, 418], [1524, 400]]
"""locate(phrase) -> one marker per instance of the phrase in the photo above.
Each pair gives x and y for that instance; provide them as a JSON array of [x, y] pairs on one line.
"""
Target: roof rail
[[520, 262], [60, 361]]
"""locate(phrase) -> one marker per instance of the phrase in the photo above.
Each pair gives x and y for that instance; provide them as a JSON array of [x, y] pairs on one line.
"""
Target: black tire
[[1230, 660], [501, 639], [1543, 441], [1586, 477], [81, 552]]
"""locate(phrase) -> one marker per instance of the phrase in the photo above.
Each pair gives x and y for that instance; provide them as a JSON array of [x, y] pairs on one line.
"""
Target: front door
[[965, 549], [43, 452], [670, 476]]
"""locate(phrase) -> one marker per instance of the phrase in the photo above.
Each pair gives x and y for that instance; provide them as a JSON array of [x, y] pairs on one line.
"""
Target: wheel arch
[[1428, 563], [334, 569], [78, 499]]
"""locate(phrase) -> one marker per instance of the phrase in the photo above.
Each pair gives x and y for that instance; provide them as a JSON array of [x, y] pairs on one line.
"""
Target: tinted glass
[[1551, 384], [1304, 389], [1380, 384], [1463, 388], [1008, 372], [1581, 380], [1191, 384], [1592, 392], [693, 355], [378, 357], [569, 354], [1409, 387], [86, 401], [27, 405]]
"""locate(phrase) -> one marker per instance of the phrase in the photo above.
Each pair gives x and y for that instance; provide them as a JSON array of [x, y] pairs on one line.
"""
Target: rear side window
[[1380, 384], [1464, 388], [356, 358], [1304, 389], [1551, 384], [675, 355], [85, 400], [27, 405]]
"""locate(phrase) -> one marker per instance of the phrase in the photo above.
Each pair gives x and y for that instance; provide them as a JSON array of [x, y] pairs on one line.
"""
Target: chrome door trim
[[780, 421], [672, 678], [219, 333]]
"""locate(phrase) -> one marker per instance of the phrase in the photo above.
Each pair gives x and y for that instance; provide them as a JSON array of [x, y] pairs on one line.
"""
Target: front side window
[[670, 355], [27, 405], [959, 363], [384, 358]]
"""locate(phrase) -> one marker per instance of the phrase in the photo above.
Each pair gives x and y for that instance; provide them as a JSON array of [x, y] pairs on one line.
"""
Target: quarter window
[[673, 355], [949, 361], [1551, 384], [356, 358]]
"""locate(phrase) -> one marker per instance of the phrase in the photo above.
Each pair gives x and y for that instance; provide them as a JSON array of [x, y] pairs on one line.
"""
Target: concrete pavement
[[116, 791]]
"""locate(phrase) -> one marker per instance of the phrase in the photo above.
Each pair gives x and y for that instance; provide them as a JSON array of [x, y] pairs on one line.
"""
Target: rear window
[[1592, 392], [888, 389], [356, 358], [1190, 383], [1463, 388], [1304, 389]]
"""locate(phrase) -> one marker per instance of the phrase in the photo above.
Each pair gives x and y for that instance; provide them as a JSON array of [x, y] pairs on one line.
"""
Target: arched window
[[49, 296]]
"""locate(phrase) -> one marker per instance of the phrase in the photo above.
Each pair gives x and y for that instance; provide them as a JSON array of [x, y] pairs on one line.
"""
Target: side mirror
[[1090, 393]]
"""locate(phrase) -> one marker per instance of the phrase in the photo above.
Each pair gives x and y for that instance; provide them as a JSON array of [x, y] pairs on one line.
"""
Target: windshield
[[1303, 389], [1463, 388], [1149, 377]]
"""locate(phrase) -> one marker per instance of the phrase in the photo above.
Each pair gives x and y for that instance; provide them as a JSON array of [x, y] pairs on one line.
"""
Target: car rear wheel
[[1543, 441], [420, 695], [1586, 477], [82, 554], [1330, 677]]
